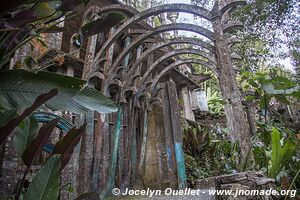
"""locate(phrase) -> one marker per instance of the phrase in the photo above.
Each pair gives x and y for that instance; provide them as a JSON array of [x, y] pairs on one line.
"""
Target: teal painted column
[[113, 162], [181, 172], [177, 135], [116, 141]]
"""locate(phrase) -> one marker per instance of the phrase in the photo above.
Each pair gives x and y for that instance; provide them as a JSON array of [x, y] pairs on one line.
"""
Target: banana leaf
[[12, 123], [19, 88], [25, 133], [7, 115], [45, 184]]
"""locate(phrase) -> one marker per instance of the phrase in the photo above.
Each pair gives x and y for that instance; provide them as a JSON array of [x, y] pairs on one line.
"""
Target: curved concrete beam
[[96, 78], [186, 8], [211, 60], [233, 4], [124, 9], [169, 27], [232, 25], [159, 45], [233, 40], [176, 64]]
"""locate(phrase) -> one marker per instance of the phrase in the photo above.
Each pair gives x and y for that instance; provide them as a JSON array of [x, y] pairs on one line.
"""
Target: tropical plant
[[214, 156], [195, 138], [21, 21], [275, 144], [20, 88], [29, 142], [10, 121], [216, 103], [281, 154], [45, 184]]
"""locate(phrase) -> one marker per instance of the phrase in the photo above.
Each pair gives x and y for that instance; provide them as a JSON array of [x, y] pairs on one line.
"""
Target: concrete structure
[[141, 144]]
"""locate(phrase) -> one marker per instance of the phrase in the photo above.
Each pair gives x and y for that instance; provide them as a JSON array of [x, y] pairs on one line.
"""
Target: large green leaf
[[7, 115], [25, 133], [45, 184], [12, 123], [44, 9], [271, 89], [20, 88], [280, 155]]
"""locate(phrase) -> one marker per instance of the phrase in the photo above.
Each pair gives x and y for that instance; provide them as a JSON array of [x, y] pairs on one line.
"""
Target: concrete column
[[187, 106]]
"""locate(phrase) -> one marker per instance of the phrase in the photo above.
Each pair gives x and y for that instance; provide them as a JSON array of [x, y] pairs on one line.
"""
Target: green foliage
[[194, 170], [25, 133], [12, 123], [295, 52], [217, 155], [7, 115], [194, 139], [254, 53], [269, 86], [293, 168], [22, 21], [29, 142], [271, 33], [276, 150], [45, 184], [216, 103], [262, 12], [20, 88], [281, 154], [273, 22]]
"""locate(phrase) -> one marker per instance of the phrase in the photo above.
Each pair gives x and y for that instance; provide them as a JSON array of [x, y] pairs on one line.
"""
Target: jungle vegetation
[[270, 91]]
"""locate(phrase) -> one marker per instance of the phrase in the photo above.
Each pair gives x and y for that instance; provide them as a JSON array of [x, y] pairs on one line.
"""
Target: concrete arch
[[159, 45], [176, 64], [125, 9], [95, 10], [233, 4], [211, 60], [186, 8], [160, 29], [232, 25], [90, 11]]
